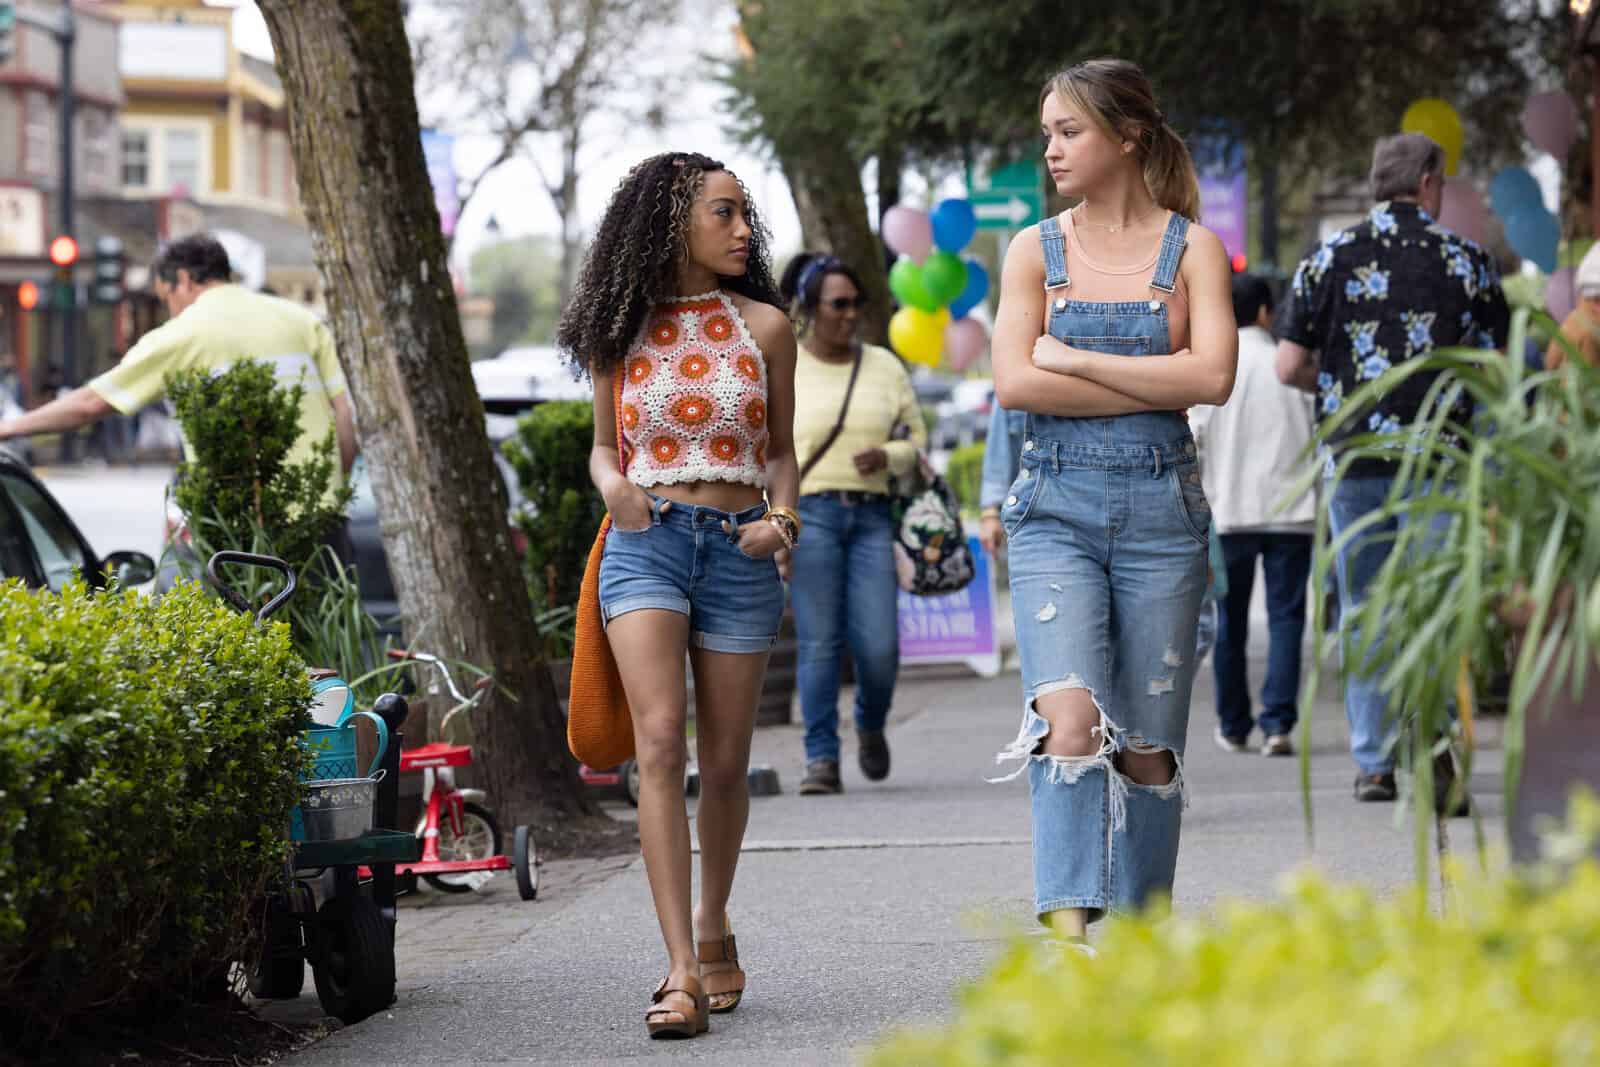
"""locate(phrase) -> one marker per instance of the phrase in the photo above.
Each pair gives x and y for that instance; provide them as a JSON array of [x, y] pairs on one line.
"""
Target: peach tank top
[[1094, 281]]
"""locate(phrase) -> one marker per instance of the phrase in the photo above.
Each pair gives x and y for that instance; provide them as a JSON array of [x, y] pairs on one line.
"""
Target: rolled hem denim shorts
[[684, 561]]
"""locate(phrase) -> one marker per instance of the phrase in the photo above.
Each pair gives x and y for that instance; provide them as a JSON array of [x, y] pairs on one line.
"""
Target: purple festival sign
[[957, 627], [1224, 193]]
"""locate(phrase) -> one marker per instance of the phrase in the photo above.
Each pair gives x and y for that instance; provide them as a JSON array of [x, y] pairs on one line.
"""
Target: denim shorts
[[684, 561]]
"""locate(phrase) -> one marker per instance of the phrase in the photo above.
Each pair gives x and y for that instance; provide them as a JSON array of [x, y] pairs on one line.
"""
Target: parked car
[[519, 378], [40, 544]]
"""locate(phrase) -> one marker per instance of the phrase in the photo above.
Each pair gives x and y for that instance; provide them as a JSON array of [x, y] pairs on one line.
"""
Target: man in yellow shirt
[[214, 325]]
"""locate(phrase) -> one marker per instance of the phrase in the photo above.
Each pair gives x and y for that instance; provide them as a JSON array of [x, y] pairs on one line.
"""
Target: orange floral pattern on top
[[694, 404]]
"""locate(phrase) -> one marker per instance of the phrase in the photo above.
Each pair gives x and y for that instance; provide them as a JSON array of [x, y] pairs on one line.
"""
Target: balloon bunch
[[935, 286], [1550, 121]]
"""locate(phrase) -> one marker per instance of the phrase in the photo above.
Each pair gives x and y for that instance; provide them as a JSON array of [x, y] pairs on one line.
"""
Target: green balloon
[[944, 276], [906, 282]]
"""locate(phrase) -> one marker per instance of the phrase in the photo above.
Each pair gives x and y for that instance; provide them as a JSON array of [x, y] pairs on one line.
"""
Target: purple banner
[[956, 626], [1225, 198], [438, 151]]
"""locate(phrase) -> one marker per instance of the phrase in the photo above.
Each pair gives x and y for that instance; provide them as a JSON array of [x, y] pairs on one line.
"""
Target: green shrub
[[965, 475], [240, 492], [148, 764], [1324, 976], [561, 510]]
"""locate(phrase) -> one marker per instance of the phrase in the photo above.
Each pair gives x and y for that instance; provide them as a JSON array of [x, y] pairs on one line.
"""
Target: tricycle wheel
[[354, 962], [629, 773], [479, 839], [525, 861]]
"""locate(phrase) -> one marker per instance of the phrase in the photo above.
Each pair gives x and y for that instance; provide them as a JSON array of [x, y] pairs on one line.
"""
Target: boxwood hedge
[[148, 762]]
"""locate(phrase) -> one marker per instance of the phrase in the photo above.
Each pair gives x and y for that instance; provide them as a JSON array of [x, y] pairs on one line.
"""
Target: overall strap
[[1055, 254], [1173, 242]]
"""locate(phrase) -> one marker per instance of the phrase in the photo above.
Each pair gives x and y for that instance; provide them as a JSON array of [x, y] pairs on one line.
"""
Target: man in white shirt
[[1252, 449]]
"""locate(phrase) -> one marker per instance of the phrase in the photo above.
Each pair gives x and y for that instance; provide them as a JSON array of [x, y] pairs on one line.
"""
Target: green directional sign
[[1007, 198]]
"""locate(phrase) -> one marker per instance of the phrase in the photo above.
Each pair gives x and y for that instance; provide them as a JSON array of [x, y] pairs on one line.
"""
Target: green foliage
[[1499, 542], [241, 492], [242, 426], [523, 275], [965, 475], [1325, 976], [561, 510], [149, 754]]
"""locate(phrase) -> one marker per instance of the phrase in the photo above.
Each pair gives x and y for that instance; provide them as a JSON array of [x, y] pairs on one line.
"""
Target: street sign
[[1008, 198]]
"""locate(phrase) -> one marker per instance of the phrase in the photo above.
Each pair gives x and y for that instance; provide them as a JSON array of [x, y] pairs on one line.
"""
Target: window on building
[[38, 135], [252, 162], [183, 160], [97, 134], [277, 189], [136, 158]]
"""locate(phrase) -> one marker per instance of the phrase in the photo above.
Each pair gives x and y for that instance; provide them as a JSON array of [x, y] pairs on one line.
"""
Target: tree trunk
[[826, 182], [346, 69]]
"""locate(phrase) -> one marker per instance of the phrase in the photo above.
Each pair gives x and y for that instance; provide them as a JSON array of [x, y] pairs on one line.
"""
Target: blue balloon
[[977, 288], [953, 224], [1514, 190], [1535, 234]]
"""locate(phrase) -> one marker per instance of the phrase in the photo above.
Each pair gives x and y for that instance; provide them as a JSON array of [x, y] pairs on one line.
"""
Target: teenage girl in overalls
[[1114, 317]]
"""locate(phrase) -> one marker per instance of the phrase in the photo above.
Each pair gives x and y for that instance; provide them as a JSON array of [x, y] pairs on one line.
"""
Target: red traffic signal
[[27, 296], [1240, 262], [63, 251]]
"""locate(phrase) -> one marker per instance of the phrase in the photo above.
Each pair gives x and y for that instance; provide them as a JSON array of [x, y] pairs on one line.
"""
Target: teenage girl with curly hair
[[676, 319]]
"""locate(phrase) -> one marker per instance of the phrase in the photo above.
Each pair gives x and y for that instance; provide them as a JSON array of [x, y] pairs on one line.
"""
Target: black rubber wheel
[[525, 861], [279, 972], [354, 960], [480, 839]]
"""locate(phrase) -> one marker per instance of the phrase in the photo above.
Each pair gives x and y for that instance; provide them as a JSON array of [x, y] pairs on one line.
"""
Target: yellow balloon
[[1436, 119], [919, 335]]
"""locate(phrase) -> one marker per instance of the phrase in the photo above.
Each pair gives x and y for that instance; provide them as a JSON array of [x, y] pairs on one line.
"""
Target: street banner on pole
[[954, 628], [438, 150], [1224, 191]]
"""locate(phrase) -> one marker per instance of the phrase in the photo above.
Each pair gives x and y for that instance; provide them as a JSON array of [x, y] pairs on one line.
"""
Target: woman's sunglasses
[[845, 303]]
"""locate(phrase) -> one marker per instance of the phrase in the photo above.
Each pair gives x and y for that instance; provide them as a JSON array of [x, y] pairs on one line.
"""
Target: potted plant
[[1496, 562]]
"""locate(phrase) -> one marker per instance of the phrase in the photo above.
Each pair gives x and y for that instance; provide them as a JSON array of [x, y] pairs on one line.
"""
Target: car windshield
[[54, 545]]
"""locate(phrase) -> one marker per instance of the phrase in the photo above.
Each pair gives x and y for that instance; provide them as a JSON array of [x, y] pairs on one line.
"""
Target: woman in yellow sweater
[[856, 424]]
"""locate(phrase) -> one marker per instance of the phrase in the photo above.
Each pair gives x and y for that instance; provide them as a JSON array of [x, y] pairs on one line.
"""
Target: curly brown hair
[[632, 263]]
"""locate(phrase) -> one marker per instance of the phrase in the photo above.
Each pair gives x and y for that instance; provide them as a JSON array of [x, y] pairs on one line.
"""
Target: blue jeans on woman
[[845, 598]]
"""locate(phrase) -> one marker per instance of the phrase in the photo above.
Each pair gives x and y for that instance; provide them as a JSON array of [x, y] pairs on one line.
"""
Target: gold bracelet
[[791, 516]]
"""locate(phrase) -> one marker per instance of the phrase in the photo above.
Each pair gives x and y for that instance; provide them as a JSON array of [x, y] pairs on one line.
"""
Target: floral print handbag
[[931, 554]]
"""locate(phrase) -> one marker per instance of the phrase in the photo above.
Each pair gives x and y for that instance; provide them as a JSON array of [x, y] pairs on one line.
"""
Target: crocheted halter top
[[694, 396]]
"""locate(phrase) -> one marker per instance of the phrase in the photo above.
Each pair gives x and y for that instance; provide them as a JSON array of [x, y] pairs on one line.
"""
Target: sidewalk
[[855, 913]]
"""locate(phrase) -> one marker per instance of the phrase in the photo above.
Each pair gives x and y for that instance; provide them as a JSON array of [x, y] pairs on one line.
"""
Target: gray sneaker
[[822, 778], [1277, 745], [1230, 744]]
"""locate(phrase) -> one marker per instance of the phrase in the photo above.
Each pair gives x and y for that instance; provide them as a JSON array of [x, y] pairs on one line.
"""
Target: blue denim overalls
[[1108, 526]]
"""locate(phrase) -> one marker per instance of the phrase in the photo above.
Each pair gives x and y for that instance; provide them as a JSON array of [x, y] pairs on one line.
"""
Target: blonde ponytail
[[1169, 173]]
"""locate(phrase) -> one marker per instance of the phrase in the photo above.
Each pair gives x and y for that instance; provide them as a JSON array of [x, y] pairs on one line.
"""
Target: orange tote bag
[[599, 725]]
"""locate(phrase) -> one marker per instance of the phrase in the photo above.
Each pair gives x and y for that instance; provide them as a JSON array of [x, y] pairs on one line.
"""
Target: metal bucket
[[338, 809]]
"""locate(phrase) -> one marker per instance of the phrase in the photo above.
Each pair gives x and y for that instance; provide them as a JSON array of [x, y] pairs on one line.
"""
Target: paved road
[[855, 913], [115, 507]]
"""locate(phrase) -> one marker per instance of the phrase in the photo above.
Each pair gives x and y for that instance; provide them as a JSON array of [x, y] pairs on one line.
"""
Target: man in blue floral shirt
[[1388, 289]]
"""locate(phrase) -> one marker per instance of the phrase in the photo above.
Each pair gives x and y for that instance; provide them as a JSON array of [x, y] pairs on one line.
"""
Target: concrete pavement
[[855, 913]]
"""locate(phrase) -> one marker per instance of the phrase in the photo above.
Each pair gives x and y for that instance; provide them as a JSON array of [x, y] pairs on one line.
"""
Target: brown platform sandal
[[719, 966], [664, 1021]]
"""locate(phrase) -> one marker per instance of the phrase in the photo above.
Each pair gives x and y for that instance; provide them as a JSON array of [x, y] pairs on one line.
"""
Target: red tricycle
[[461, 844]]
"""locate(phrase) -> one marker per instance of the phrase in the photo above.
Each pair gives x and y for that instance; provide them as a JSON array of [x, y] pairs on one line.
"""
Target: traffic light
[[108, 267], [8, 29], [27, 296], [64, 254]]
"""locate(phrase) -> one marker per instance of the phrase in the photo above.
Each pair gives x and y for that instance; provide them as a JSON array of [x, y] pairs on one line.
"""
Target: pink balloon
[[908, 232], [1551, 122], [964, 341], [1561, 293], [1464, 211]]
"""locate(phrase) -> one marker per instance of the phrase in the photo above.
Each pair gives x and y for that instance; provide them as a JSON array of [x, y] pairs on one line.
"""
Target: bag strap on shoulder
[[838, 426]]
